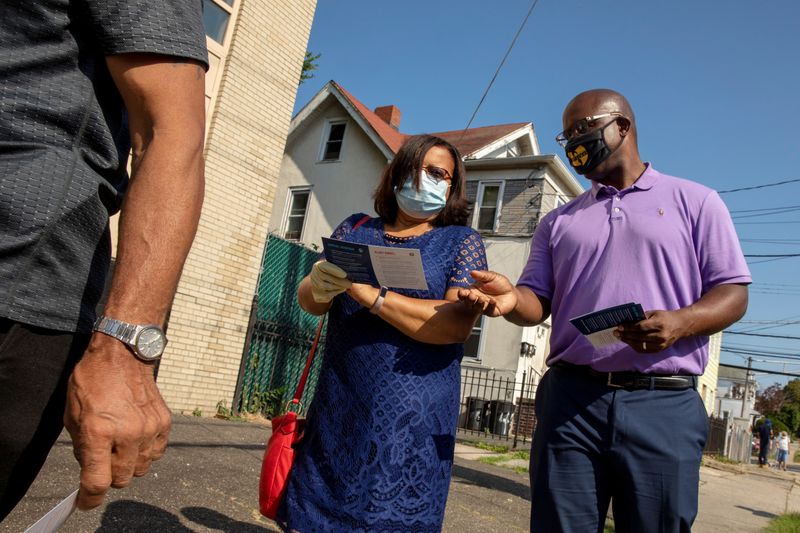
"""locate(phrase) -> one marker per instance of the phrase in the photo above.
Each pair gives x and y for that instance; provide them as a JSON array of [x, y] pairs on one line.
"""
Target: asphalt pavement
[[208, 482]]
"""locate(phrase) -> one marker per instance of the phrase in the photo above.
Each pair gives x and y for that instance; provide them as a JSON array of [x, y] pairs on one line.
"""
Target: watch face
[[151, 343]]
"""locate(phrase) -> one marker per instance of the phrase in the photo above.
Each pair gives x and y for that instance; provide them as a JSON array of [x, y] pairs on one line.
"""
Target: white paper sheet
[[398, 267], [56, 516]]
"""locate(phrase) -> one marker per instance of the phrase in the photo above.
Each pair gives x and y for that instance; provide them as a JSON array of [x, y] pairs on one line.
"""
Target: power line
[[764, 212], [760, 370], [760, 353], [772, 241], [761, 335], [766, 260], [763, 209], [772, 255], [759, 186], [500, 66], [770, 222]]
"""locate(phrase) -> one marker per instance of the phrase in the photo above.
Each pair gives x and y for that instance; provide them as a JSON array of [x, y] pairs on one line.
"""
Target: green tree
[[309, 65], [790, 416], [792, 392]]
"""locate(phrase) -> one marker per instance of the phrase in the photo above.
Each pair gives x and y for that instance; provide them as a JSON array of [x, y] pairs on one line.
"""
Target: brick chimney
[[389, 114]]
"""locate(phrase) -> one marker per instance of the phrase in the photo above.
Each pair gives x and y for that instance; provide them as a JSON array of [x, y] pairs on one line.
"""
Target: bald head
[[613, 156], [597, 101]]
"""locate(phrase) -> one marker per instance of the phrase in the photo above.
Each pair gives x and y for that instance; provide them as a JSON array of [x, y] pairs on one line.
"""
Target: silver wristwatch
[[147, 341]]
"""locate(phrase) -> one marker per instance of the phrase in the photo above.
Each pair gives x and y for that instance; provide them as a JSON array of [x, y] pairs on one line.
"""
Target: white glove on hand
[[327, 280]]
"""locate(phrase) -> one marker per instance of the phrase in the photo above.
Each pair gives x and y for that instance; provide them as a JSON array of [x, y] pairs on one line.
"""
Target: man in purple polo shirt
[[623, 421]]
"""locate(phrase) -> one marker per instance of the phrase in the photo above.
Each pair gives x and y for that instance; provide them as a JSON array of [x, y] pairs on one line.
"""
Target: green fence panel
[[282, 333]]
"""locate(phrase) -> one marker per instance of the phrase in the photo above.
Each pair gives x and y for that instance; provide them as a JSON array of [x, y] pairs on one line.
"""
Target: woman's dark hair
[[408, 162]]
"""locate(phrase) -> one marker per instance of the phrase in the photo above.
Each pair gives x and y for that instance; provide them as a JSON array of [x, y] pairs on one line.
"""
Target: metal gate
[[280, 333]]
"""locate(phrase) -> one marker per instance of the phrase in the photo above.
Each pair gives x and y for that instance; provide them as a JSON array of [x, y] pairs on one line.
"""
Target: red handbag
[[287, 431]]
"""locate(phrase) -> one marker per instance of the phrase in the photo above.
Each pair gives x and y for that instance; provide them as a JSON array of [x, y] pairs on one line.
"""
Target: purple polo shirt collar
[[663, 243], [644, 183]]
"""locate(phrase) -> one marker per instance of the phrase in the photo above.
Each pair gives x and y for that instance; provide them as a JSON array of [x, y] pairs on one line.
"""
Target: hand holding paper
[[598, 326], [327, 281], [394, 267]]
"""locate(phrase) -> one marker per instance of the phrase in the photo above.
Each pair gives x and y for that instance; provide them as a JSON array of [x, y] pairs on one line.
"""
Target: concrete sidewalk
[[208, 482]]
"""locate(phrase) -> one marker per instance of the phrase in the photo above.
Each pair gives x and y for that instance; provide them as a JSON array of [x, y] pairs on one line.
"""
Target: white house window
[[473, 347], [296, 213], [216, 15], [487, 206], [332, 145]]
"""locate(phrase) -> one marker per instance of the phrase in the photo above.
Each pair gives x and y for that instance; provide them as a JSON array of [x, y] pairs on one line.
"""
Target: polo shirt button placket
[[616, 211]]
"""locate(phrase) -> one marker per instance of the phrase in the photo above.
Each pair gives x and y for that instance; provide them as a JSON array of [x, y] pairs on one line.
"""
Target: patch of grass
[[609, 528], [493, 459], [788, 523], [500, 460], [227, 414], [496, 448], [521, 454], [723, 459]]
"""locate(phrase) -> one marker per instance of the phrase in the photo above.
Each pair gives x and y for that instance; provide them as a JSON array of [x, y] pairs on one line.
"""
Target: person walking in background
[[623, 422], [83, 84], [764, 441], [378, 446], [783, 450]]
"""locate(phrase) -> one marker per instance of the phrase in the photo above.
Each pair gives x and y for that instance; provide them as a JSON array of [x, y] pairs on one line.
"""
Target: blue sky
[[714, 85]]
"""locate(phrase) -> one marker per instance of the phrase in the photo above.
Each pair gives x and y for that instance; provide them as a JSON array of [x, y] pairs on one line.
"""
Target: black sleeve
[[168, 27]]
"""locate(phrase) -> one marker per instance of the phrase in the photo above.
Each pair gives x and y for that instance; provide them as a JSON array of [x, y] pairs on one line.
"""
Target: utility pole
[[746, 384]]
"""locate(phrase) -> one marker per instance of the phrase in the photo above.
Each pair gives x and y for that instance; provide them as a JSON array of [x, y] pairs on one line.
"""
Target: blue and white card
[[396, 268], [598, 326]]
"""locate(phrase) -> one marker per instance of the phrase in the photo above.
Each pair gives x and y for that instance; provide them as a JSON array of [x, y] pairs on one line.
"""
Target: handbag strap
[[298, 393]]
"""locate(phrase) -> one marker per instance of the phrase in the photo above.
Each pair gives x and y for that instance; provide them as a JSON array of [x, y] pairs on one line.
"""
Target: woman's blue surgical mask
[[426, 202]]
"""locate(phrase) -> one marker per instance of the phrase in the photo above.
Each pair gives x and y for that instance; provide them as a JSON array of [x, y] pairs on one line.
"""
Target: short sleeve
[[470, 255], [719, 253], [166, 27], [538, 272]]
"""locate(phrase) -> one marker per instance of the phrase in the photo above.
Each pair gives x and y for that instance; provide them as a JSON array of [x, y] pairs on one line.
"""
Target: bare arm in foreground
[[115, 414]]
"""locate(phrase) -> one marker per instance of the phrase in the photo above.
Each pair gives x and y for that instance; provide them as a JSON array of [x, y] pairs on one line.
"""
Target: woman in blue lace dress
[[378, 447]]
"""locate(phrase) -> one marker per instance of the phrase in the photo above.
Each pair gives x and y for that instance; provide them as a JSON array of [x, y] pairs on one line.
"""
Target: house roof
[[393, 138], [473, 139], [467, 142]]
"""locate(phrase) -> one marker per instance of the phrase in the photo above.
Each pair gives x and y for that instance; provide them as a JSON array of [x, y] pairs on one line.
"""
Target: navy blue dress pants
[[594, 444]]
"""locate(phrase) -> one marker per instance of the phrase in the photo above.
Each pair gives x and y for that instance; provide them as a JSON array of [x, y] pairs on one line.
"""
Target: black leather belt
[[632, 380]]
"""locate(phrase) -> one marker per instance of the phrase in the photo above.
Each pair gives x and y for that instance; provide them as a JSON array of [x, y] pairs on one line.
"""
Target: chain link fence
[[280, 333]]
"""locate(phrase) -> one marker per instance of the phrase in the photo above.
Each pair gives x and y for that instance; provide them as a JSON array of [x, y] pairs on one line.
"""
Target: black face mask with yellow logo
[[588, 150]]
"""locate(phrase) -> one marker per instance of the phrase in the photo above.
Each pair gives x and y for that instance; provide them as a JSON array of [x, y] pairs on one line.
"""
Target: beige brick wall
[[247, 131]]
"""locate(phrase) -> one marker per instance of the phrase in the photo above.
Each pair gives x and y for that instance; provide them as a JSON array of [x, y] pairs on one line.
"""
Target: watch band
[[379, 301], [131, 335]]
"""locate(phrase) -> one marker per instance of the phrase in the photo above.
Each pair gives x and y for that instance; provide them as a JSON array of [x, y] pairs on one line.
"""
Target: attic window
[[332, 148]]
